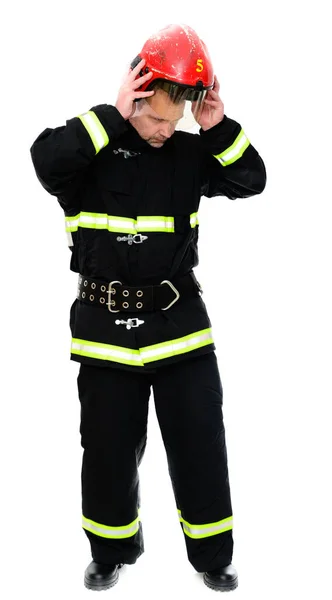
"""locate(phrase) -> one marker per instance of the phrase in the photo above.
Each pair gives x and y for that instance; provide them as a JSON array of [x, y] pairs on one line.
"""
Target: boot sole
[[102, 586], [222, 587]]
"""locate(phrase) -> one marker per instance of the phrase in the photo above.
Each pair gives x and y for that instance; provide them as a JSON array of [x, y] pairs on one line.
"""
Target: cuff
[[220, 136], [111, 119]]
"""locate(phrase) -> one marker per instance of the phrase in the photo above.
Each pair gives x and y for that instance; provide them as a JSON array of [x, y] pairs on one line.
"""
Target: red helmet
[[179, 61]]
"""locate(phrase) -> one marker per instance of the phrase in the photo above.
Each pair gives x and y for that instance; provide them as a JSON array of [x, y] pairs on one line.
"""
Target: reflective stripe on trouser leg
[[188, 399], [117, 533], [207, 529], [113, 435]]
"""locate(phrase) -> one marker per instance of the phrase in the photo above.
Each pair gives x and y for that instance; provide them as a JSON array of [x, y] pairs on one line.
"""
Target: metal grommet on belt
[[156, 297]]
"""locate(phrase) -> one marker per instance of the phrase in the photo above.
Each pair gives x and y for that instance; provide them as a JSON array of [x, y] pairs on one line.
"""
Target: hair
[[175, 92]]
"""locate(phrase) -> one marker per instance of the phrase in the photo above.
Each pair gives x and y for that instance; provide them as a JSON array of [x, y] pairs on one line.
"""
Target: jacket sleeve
[[61, 155], [230, 164]]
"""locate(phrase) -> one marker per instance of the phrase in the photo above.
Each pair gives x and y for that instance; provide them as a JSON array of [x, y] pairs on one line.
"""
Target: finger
[[134, 72], [143, 94], [216, 86], [138, 82], [216, 99], [213, 103], [213, 94]]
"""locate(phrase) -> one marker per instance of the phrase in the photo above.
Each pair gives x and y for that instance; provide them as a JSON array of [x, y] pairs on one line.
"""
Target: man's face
[[156, 117]]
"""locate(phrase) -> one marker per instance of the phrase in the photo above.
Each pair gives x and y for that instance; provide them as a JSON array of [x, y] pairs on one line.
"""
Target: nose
[[166, 130]]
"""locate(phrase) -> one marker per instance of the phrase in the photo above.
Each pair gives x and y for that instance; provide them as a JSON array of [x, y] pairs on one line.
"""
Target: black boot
[[98, 576], [223, 579]]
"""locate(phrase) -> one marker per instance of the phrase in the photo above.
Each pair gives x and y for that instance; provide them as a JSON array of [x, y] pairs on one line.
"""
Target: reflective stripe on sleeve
[[95, 129], [144, 355], [111, 532], [235, 151], [206, 530]]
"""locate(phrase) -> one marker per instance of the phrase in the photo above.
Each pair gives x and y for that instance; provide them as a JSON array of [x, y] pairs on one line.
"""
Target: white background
[[268, 256]]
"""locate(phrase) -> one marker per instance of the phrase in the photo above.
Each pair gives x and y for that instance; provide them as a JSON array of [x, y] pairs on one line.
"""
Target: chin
[[156, 144]]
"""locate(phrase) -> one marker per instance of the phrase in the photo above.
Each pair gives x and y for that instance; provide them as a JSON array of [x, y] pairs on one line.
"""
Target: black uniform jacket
[[113, 185]]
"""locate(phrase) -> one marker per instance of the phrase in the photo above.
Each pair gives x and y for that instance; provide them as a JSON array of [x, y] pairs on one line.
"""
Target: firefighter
[[130, 181]]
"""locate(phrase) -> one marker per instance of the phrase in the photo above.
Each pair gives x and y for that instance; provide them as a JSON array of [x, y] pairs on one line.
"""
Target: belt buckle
[[109, 292], [177, 294]]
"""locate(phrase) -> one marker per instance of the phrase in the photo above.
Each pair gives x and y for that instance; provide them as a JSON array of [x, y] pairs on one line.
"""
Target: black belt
[[117, 297]]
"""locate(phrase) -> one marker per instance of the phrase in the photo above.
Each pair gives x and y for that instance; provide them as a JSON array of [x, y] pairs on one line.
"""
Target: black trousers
[[114, 412]]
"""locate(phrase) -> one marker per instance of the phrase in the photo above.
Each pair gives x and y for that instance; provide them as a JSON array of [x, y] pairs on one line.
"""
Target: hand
[[212, 111], [127, 92]]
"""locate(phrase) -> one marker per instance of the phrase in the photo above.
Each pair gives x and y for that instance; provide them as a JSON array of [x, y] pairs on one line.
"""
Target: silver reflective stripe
[[143, 355], [235, 151], [206, 530], [95, 129], [111, 532], [194, 219]]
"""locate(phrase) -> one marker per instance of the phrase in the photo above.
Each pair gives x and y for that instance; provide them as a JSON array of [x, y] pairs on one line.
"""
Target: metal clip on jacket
[[138, 238], [129, 323], [126, 153]]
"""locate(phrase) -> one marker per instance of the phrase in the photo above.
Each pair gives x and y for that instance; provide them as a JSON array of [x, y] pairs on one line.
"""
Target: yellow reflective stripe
[[100, 221], [144, 355], [194, 219], [72, 223], [105, 531], [101, 351], [235, 151], [177, 346], [119, 224], [206, 530], [155, 224], [95, 129]]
